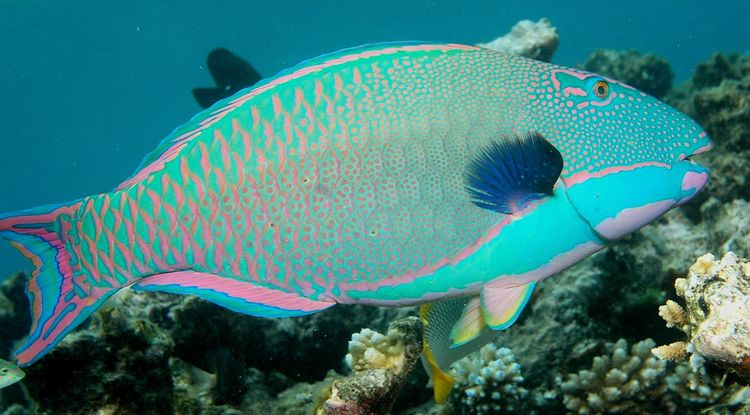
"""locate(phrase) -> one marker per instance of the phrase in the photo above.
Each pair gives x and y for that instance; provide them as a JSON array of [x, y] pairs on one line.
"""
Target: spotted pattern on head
[[625, 127]]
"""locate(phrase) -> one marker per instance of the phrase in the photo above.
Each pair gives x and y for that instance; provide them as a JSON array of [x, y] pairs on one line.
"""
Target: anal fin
[[442, 382], [241, 296], [503, 303], [469, 325]]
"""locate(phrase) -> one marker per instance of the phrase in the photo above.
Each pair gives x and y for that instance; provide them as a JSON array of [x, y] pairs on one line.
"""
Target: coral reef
[[120, 364], [691, 382], [206, 334], [14, 315], [489, 383], [160, 353], [536, 40], [380, 365], [14, 322], [647, 72], [716, 318], [620, 382]]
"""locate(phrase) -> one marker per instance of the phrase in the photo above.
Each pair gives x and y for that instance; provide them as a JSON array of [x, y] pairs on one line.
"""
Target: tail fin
[[58, 303]]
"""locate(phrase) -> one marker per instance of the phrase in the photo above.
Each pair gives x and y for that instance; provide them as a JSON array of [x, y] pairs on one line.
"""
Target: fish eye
[[3, 371], [601, 89]]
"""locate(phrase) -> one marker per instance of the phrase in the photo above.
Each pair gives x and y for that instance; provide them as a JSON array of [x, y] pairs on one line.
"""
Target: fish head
[[627, 155], [9, 373]]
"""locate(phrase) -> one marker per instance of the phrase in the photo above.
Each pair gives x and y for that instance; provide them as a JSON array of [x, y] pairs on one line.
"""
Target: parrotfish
[[391, 175], [9, 373]]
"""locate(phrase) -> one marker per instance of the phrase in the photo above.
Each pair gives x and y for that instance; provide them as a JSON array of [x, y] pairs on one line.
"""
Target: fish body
[[374, 175], [9, 374]]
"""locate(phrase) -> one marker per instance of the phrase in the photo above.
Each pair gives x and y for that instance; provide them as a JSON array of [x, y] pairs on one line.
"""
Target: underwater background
[[90, 87]]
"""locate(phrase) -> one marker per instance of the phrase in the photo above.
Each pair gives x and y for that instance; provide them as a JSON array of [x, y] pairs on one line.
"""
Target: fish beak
[[697, 176], [700, 150]]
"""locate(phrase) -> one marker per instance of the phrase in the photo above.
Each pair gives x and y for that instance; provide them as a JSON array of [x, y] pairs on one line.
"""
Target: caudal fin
[[58, 303]]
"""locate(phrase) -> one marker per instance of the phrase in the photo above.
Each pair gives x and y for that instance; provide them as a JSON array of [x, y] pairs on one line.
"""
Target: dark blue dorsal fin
[[510, 171]]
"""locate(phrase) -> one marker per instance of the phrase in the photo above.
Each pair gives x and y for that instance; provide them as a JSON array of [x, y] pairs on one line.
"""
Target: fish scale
[[346, 180]]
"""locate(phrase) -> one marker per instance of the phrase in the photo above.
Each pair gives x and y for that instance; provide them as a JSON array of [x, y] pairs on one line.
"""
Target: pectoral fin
[[457, 327], [502, 304], [508, 172]]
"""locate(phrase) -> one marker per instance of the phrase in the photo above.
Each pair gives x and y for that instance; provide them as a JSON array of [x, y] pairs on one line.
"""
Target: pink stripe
[[237, 289], [605, 102], [158, 164], [184, 235], [581, 177], [571, 72], [221, 180], [130, 232], [244, 138], [105, 255], [88, 211], [629, 220], [571, 90], [224, 148], [172, 222], [694, 181], [188, 175], [196, 221], [705, 148], [205, 161]]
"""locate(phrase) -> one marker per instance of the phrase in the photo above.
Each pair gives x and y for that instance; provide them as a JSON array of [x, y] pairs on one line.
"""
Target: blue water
[[89, 87]]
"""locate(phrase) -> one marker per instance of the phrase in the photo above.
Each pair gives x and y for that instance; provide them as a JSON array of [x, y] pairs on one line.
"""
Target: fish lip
[[700, 150]]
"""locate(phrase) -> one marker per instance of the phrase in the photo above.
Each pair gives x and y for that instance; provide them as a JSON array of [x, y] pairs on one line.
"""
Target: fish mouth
[[696, 176], [700, 150]]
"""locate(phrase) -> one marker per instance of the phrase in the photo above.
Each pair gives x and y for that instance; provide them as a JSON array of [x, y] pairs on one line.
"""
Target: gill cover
[[630, 163], [622, 200]]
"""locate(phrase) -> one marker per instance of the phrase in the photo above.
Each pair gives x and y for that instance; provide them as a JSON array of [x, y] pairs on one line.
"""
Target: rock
[[716, 317], [535, 40], [380, 365]]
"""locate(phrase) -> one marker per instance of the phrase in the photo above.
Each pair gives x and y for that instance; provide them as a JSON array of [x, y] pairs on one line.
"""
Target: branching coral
[[489, 383], [619, 382]]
